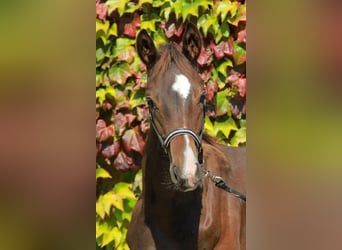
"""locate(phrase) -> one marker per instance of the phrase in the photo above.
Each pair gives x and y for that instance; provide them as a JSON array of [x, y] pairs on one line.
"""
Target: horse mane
[[172, 53], [209, 139]]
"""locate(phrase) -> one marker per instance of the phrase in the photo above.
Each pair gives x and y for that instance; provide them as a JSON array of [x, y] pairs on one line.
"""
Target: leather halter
[[165, 143]]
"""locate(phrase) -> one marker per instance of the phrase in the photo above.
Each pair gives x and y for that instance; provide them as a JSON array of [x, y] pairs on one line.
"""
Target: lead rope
[[219, 182]]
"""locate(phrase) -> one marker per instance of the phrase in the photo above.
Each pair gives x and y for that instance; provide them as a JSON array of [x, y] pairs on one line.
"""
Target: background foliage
[[121, 111]]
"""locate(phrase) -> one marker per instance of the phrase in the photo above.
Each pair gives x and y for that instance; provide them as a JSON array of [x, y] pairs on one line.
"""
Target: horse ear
[[146, 49], [192, 42]]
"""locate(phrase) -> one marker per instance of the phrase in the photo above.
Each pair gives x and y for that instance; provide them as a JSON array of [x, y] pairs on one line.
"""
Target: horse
[[179, 208]]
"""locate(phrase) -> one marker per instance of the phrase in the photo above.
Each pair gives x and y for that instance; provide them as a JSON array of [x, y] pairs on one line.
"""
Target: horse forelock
[[171, 54]]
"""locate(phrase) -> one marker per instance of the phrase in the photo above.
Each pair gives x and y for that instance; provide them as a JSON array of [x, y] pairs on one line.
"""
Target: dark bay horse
[[179, 208]]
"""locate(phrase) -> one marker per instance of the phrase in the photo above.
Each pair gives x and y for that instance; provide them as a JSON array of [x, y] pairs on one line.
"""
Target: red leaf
[[235, 111], [233, 76], [179, 31], [229, 47], [212, 88], [218, 49], [241, 83], [132, 141], [238, 80], [100, 124], [130, 118], [111, 150], [102, 131], [120, 122], [210, 113], [171, 30], [242, 36], [125, 162], [206, 57], [101, 11], [122, 162], [144, 126], [142, 113], [130, 29], [206, 75]]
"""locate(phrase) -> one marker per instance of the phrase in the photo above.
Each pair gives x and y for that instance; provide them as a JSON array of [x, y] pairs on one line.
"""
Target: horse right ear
[[146, 49]]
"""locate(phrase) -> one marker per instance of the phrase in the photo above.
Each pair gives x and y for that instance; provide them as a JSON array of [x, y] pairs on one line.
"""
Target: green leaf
[[100, 209], [102, 173], [119, 73], [166, 12], [145, 1], [222, 8], [208, 21], [111, 91], [222, 68], [222, 103], [101, 30], [189, 9], [100, 25], [100, 55], [117, 202], [225, 126], [209, 127], [218, 36], [239, 54], [132, 7], [99, 78], [224, 28], [124, 190], [101, 228], [116, 5], [112, 235], [237, 14], [122, 45], [234, 8], [113, 30], [137, 98], [158, 3], [239, 137], [107, 201], [148, 21], [159, 37]]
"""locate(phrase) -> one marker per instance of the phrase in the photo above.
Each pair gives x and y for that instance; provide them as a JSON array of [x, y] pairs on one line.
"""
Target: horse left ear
[[146, 49], [192, 42]]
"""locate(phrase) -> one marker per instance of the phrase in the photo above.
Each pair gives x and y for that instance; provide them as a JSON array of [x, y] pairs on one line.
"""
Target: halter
[[165, 143]]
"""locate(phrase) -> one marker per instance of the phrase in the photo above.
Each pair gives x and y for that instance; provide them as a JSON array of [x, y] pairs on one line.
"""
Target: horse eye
[[150, 103], [203, 97]]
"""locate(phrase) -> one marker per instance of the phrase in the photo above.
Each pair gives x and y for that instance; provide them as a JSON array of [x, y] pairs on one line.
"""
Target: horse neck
[[170, 214]]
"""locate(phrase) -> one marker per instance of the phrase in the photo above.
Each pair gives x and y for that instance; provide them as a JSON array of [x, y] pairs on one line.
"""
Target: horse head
[[176, 97]]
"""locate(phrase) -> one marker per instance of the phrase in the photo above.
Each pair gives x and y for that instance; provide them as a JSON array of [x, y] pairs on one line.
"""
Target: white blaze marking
[[189, 159], [182, 86]]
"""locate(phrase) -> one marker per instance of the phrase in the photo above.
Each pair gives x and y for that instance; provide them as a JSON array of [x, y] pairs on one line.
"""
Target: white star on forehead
[[182, 86]]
